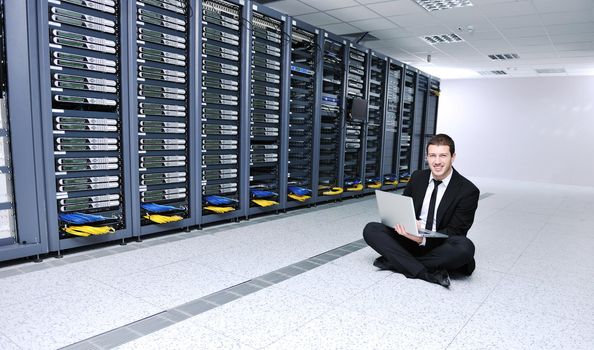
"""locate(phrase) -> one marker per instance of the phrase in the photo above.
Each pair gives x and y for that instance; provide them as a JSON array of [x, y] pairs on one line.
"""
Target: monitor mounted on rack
[[358, 110]]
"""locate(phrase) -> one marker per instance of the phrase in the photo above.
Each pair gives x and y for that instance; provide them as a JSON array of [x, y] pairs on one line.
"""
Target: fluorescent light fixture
[[488, 73], [550, 70], [437, 5], [504, 56], [449, 73], [441, 39]]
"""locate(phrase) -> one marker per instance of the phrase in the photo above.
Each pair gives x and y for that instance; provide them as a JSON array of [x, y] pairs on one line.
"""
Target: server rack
[[355, 133], [405, 163], [225, 78], [420, 112], [430, 120], [268, 105], [303, 114], [166, 115], [332, 118], [378, 86], [391, 149], [83, 50]]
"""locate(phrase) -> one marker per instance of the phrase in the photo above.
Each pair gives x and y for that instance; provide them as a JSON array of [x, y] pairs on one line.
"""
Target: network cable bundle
[[86, 111], [163, 124], [265, 111], [375, 124], [406, 131], [390, 156], [221, 88], [356, 88], [332, 115], [304, 53]]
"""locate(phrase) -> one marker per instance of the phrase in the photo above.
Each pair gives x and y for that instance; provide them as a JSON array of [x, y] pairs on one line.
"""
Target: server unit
[[303, 113], [165, 113], [332, 118], [430, 120], [378, 87], [85, 114], [268, 104], [225, 70], [391, 144], [354, 160], [405, 162], [420, 118]]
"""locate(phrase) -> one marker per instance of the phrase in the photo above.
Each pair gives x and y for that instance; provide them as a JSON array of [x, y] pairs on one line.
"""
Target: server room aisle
[[533, 287]]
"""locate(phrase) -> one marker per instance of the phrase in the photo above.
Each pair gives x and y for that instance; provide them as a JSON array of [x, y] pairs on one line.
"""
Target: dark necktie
[[431, 214]]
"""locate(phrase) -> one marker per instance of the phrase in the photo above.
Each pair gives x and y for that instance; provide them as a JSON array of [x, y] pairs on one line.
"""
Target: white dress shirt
[[425, 208]]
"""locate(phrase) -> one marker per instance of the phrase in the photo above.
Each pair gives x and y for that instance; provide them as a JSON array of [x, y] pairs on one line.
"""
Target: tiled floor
[[533, 287]]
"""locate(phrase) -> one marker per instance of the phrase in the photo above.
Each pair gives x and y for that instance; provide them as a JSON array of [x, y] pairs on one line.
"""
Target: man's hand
[[402, 231]]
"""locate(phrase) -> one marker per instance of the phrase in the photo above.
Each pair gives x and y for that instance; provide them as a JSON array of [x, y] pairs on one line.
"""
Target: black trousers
[[410, 259]]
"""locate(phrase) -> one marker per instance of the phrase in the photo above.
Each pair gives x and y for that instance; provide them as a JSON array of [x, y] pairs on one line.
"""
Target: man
[[444, 201]]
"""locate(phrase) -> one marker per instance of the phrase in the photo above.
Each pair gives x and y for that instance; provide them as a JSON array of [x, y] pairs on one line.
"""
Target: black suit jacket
[[455, 213]]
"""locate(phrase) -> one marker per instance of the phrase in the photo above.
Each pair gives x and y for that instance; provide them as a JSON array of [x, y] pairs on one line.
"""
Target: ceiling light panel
[[442, 39], [504, 56], [550, 70], [492, 72], [437, 5]]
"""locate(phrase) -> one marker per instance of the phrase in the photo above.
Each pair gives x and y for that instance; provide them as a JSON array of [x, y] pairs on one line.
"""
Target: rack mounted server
[[392, 125]]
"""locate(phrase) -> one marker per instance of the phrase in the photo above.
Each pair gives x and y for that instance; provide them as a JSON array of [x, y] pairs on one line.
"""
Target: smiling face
[[440, 161]]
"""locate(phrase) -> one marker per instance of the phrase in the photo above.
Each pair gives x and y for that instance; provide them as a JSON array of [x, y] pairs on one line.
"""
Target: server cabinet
[[225, 107], [407, 125], [430, 120], [85, 109], [420, 119], [391, 142], [303, 113], [163, 60], [332, 118], [23, 231], [378, 85], [268, 105], [357, 86]]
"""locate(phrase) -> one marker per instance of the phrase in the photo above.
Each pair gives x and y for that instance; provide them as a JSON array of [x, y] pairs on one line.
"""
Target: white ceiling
[[546, 34]]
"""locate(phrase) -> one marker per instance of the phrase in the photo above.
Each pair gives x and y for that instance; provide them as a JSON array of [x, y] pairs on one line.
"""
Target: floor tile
[[7, 344]]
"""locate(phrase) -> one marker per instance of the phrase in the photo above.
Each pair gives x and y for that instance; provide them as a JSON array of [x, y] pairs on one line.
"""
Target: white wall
[[535, 129]]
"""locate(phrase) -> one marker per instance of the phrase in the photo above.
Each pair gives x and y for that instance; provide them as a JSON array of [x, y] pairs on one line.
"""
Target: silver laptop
[[398, 209]]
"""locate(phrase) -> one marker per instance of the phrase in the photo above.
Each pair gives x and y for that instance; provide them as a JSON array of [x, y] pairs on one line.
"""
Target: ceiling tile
[[574, 28], [535, 49], [373, 24], [340, 28], [524, 32], [390, 33], [318, 19], [414, 19], [516, 21], [514, 8], [396, 7], [575, 46], [325, 5], [533, 40], [562, 5], [291, 7], [355, 13], [486, 35], [571, 38], [366, 2], [567, 17], [429, 30], [495, 45], [410, 44]]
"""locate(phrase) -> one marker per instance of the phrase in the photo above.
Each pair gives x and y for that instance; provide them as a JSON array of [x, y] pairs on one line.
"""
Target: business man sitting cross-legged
[[444, 201]]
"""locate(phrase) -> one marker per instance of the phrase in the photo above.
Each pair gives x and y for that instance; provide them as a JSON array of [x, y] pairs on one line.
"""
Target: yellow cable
[[219, 210], [298, 198], [162, 219], [86, 231], [375, 185], [395, 182], [264, 202], [357, 187], [333, 191]]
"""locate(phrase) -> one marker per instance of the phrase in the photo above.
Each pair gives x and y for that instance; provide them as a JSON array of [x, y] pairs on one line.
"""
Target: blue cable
[[263, 194], [300, 191], [81, 218], [158, 208], [218, 200]]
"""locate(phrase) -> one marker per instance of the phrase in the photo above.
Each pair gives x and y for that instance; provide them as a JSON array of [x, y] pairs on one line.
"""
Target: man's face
[[440, 161]]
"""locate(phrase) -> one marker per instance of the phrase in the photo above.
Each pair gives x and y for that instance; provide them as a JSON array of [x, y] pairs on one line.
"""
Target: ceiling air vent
[[437, 5], [487, 73], [441, 39], [550, 70], [504, 56]]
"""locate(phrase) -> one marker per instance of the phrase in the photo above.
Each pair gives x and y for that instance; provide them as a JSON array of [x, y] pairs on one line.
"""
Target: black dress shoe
[[381, 263], [440, 277]]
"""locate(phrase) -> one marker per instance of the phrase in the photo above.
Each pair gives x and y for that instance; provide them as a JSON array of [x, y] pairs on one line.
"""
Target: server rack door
[[392, 126], [305, 55], [83, 76], [407, 126], [21, 181], [375, 123], [430, 126], [225, 85], [164, 95], [358, 63], [266, 105], [420, 122]]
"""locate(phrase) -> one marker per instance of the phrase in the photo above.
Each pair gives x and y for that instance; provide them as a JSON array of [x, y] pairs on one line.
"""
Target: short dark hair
[[442, 140]]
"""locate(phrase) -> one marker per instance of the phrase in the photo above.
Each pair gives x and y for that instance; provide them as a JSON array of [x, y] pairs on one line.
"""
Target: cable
[[163, 219], [86, 231]]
